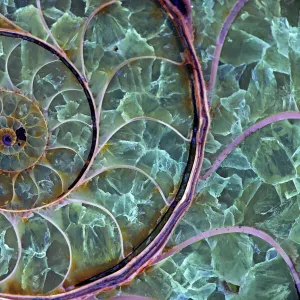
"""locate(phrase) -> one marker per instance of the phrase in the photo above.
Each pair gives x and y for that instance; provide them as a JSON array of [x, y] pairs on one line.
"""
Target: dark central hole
[[21, 134], [6, 139]]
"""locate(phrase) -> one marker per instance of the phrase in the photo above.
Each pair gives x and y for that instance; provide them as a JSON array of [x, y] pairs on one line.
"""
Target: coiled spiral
[[96, 120]]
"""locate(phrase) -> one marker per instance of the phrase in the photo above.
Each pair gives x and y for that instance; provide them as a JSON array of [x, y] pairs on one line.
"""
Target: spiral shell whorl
[[23, 132], [93, 158], [44, 150]]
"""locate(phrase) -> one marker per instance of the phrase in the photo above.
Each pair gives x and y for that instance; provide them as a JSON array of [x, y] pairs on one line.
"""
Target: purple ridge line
[[220, 42], [246, 133], [235, 229]]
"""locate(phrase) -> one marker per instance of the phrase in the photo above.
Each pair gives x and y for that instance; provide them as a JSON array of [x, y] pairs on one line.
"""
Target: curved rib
[[6, 65], [38, 4], [14, 195], [71, 200], [67, 121], [39, 189], [85, 27], [246, 133], [59, 146], [99, 98], [235, 229], [62, 91], [37, 70], [132, 168], [66, 239], [220, 42], [31, 176], [102, 143], [13, 222]]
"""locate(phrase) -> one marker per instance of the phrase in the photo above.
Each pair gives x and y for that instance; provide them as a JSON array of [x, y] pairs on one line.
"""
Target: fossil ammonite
[[99, 123]]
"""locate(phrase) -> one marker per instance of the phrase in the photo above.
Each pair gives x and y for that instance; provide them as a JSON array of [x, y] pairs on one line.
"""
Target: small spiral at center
[[8, 138]]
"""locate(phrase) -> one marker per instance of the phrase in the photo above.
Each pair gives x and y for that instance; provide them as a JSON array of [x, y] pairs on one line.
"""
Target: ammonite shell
[[99, 118]]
